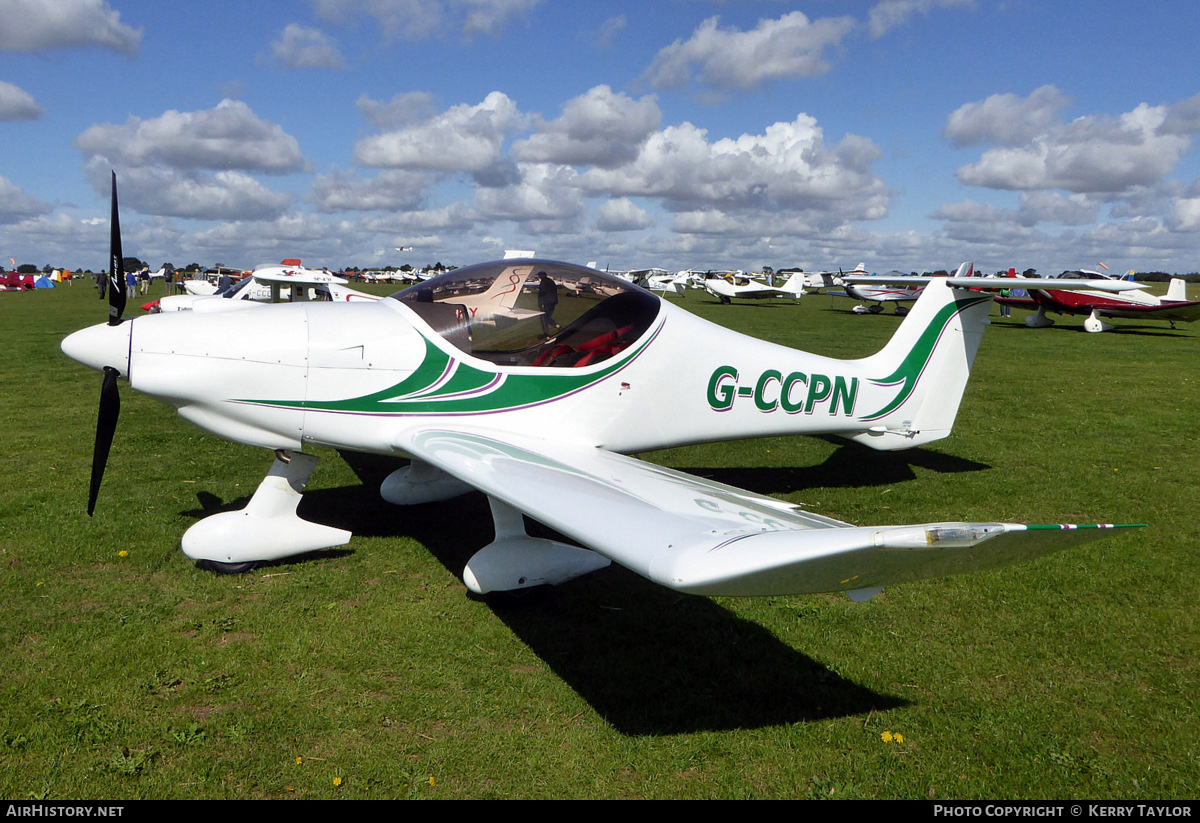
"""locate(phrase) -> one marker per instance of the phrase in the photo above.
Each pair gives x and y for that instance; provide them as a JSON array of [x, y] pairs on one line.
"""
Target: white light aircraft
[[816, 280], [544, 428], [661, 280], [726, 290], [896, 287], [269, 283]]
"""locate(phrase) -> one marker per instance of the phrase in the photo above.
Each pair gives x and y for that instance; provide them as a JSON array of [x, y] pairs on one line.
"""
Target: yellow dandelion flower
[[337, 781], [122, 553], [899, 737], [299, 760], [886, 737], [432, 782]]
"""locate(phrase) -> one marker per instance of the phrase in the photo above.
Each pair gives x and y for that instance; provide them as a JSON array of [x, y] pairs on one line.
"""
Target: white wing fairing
[[530, 380]]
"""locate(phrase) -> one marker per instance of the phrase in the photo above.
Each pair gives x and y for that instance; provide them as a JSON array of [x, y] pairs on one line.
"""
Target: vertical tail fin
[[925, 367], [794, 284]]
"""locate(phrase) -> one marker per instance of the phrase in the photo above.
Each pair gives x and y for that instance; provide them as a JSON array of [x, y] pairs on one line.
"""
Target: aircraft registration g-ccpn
[[531, 381]]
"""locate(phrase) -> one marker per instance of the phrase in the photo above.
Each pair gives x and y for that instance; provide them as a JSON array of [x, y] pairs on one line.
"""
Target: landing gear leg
[[1039, 320], [515, 561]]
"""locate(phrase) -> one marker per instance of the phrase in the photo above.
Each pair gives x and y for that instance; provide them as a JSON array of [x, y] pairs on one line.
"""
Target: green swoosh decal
[[467, 389], [914, 363]]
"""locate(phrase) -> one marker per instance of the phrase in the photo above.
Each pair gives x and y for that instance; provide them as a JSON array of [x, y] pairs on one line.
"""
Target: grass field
[[369, 672]]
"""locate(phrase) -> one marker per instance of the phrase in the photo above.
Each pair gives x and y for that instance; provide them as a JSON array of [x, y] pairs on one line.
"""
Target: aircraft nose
[[100, 346]]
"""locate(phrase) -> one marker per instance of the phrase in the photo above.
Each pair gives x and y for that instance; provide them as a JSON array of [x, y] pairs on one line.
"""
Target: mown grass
[[369, 672]]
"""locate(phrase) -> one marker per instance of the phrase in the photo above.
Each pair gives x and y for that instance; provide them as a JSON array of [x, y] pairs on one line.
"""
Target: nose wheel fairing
[[268, 528]]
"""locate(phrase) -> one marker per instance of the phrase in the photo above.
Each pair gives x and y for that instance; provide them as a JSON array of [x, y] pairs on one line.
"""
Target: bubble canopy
[[533, 312]]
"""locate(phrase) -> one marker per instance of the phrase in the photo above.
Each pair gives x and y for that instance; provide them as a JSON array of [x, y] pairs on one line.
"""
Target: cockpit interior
[[533, 312]]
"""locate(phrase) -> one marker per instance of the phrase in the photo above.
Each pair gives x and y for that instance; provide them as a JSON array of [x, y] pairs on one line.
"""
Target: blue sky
[[909, 134]]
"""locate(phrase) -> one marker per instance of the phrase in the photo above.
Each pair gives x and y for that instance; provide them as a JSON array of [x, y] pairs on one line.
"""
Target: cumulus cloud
[[598, 128], [1090, 154], [463, 138], [789, 167], [545, 192], [248, 242], [1052, 207], [457, 216], [609, 29], [229, 136], [226, 195], [1185, 214], [17, 104], [1006, 119], [393, 189], [194, 164], [729, 59], [889, 14], [16, 204], [299, 47], [31, 25], [402, 110], [1183, 118], [622, 214], [420, 19]]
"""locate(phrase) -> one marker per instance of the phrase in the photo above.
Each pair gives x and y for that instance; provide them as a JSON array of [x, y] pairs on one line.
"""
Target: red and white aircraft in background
[[1135, 303]]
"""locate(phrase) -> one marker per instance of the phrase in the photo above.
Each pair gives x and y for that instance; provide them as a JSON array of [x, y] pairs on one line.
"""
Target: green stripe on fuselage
[[465, 391]]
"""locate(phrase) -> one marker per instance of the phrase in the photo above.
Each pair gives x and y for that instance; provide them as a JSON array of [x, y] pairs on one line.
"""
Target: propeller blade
[[116, 264], [110, 399], [106, 427]]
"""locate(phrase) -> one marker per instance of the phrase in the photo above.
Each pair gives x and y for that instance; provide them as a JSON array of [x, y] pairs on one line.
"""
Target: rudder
[[928, 360]]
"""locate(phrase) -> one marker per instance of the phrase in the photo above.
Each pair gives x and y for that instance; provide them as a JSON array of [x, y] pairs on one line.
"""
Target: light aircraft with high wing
[[545, 427], [268, 283], [208, 283], [1136, 303]]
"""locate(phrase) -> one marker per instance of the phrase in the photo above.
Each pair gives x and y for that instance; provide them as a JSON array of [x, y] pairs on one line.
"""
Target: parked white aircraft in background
[[543, 427], [815, 281], [269, 283], [880, 289], [663, 281], [747, 288]]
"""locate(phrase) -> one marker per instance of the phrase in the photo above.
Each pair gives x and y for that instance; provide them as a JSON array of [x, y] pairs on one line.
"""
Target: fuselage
[[625, 370], [882, 293]]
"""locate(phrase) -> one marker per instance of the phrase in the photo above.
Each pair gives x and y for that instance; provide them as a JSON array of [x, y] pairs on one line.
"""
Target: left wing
[[697, 536]]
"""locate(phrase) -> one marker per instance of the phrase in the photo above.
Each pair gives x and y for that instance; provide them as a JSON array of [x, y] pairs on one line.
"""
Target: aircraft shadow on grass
[[650, 661], [1117, 329], [850, 466]]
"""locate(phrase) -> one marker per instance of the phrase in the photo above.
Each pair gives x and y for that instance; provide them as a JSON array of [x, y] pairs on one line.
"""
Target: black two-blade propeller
[[110, 400]]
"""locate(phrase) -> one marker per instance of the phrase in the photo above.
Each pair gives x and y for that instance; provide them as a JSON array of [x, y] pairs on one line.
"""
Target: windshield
[[533, 312], [235, 288]]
